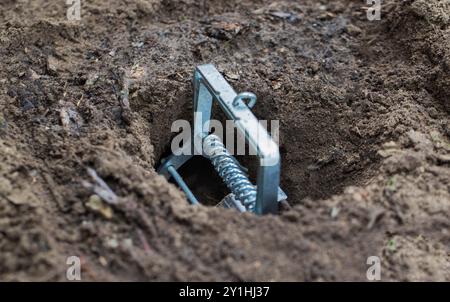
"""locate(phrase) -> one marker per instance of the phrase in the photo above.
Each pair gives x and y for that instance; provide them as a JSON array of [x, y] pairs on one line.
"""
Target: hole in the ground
[[325, 173]]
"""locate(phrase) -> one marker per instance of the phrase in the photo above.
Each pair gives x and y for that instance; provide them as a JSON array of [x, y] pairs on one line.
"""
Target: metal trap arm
[[210, 85]]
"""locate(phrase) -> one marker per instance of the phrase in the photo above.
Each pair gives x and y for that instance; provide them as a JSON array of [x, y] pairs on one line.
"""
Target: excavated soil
[[364, 137]]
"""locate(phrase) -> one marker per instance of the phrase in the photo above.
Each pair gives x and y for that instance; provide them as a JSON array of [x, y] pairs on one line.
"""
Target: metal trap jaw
[[210, 86]]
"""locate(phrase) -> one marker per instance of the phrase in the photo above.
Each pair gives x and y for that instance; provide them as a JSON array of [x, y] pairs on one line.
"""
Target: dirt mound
[[364, 137]]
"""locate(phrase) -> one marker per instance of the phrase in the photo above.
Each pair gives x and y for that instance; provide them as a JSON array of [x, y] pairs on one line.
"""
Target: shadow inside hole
[[203, 180]]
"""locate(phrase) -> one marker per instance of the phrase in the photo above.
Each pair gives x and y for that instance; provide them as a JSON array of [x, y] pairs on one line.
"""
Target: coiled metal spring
[[230, 171]]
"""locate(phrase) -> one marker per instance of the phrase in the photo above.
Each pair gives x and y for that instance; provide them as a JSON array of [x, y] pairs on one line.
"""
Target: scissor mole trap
[[210, 86]]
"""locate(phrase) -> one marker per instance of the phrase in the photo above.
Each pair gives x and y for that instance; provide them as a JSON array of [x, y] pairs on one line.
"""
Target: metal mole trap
[[209, 86]]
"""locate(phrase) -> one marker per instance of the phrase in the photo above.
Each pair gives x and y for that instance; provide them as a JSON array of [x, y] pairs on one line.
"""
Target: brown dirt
[[365, 138]]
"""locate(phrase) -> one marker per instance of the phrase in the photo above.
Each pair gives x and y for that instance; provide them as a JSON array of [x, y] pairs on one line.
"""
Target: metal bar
[[177, 177]]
